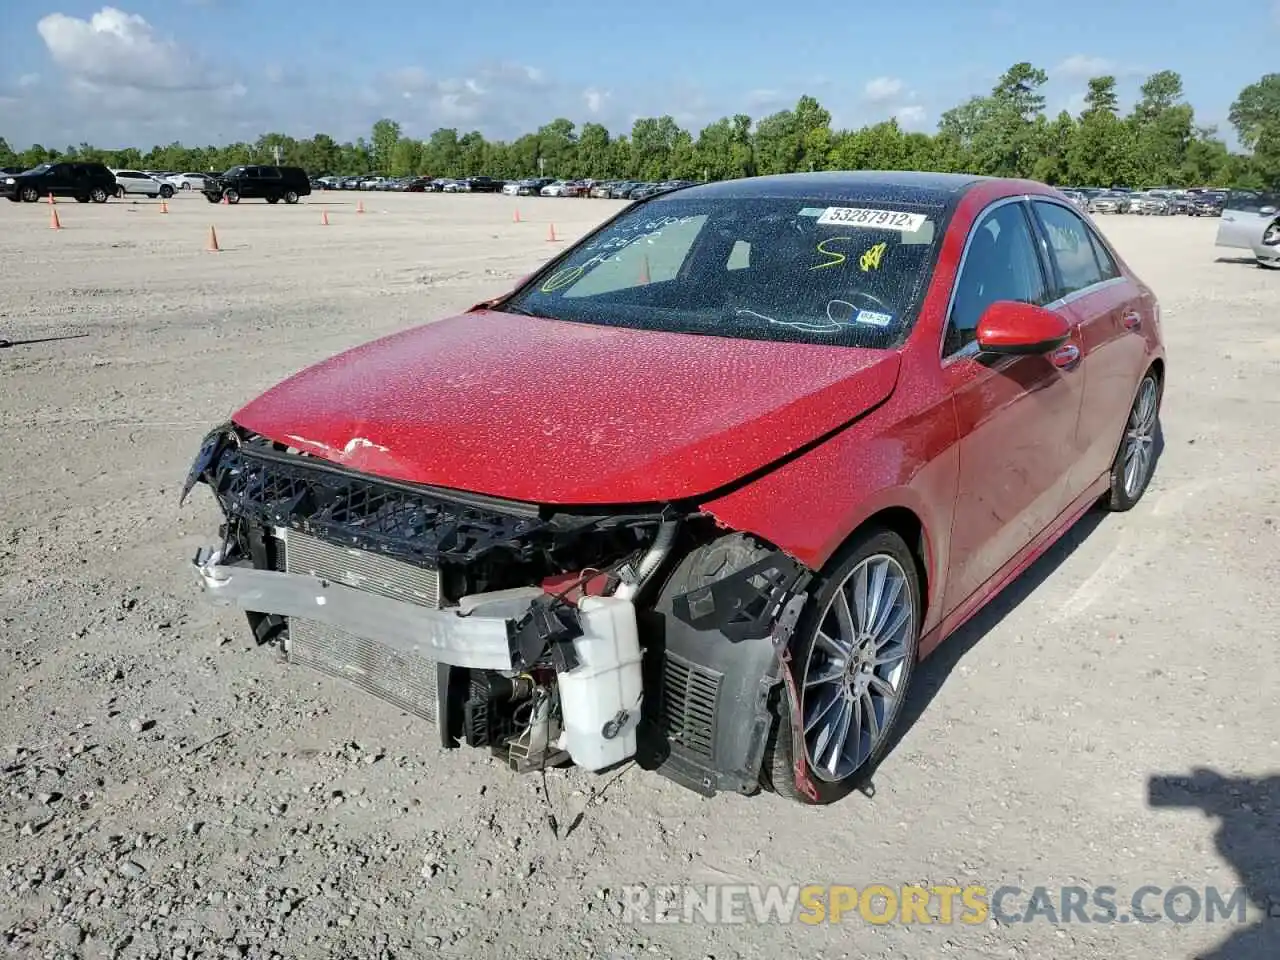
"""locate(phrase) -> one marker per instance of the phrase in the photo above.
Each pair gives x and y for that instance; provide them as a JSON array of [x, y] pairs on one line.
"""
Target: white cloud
[[1081, 66], [882, 89], [595, 99], [1076, 103], [911, 117], [114, 49], [28, 80]]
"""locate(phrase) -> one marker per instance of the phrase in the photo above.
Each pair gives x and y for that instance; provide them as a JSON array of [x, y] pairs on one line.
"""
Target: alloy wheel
[[853, 681], [1140, 436]]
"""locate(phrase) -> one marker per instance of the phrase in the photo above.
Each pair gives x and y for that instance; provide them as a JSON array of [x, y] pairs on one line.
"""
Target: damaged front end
[[543, 634]]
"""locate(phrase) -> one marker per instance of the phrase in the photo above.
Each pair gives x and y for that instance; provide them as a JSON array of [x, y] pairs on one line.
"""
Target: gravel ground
[[167, 792]]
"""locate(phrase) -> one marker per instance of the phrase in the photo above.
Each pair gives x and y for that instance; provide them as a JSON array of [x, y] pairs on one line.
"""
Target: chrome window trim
[[971, 349], [955, 283]]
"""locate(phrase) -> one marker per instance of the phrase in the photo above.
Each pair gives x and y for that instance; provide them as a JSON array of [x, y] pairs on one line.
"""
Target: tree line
[[1004, 133]]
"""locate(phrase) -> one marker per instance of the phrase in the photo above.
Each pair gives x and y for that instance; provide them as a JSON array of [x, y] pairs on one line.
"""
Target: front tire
[[852, 658], [166, 192], [30, 195], [98, 195], [291, 197], [232, 196], [1135, 460]]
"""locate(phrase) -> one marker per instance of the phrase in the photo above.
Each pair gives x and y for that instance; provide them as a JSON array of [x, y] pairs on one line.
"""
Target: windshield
[[40, 168], [765, 269]]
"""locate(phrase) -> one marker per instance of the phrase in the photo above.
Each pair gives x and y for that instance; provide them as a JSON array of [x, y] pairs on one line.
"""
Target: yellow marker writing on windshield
[[561, 278], [871, 259], [836, 258]]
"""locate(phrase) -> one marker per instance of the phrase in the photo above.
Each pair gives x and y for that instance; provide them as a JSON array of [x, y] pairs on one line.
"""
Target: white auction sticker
[[875, 219], [874, 317]]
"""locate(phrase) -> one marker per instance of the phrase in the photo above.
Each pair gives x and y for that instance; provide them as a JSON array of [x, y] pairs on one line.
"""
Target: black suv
[[261, 182], [63, 178], [484, 185]]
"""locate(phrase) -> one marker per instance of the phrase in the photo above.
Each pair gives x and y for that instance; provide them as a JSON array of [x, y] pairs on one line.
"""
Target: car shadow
[[1246, 810], [1243, 261], [932, 672]]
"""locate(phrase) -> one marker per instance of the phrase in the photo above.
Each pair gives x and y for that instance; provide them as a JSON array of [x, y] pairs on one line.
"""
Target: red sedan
[[703, 489]]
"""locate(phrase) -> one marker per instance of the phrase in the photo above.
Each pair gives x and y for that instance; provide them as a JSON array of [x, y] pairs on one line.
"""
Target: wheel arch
[[907, 524]]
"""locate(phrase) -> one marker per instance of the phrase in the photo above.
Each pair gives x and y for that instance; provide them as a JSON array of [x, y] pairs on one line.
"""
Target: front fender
[[811, 505]]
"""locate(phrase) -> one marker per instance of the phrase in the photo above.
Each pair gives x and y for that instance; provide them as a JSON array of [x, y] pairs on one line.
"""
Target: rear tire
[[291, 197], [845, 676], [166, 192], [98, 195], [273, 199], [1134, 462]]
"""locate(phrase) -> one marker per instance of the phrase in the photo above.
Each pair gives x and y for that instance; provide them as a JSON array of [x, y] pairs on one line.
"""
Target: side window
[[1070, 245], [1001, 263], [1106, 263]]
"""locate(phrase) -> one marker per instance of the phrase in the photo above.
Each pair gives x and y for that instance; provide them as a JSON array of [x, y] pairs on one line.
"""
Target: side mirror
[[1010, 327]]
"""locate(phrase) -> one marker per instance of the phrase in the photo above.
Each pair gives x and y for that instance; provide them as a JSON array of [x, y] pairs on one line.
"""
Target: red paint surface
[[993, 458], [565, 413], [1008, 324]]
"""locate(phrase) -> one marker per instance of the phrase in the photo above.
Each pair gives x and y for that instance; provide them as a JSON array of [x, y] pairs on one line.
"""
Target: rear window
[[1252, 201], [813, 271]]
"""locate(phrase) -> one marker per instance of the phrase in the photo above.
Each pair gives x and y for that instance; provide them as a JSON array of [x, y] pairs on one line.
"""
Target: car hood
[[566, 413]]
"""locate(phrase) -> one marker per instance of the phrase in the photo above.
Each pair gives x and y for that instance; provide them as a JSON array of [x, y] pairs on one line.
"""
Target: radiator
[[407, 681]]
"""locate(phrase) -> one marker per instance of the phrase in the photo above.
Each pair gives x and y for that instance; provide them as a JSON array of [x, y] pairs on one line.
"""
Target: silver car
[[1251, 221], [1109, 203]]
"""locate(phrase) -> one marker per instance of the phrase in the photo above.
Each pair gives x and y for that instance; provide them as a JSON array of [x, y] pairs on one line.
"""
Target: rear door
[[1245, 218], [1111, 313]]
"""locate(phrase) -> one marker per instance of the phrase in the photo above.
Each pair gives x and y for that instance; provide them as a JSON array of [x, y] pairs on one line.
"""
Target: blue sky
[[152, 71]]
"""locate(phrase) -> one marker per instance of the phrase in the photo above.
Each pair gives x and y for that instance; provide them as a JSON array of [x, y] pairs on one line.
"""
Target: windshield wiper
[[525, 312]]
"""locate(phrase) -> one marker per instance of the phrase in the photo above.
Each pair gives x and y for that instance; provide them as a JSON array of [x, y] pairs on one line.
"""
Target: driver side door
[[1016, 415]]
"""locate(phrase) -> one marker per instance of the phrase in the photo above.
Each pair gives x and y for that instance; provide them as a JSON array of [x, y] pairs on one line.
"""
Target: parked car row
[[528, 187], [1161, 201]]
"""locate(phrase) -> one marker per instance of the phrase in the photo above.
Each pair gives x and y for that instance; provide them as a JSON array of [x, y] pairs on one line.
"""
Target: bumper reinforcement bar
[[477, 642]]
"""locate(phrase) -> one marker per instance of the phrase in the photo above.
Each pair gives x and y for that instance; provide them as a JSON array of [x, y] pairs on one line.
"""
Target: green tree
[[385, 136], [595, 152], [1256, 116]]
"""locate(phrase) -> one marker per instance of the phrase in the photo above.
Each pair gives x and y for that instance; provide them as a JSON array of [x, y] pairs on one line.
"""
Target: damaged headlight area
[[543, 634]]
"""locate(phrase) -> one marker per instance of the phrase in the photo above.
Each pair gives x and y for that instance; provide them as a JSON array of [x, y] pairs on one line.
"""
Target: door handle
[[1065, 356], [1132, 319]]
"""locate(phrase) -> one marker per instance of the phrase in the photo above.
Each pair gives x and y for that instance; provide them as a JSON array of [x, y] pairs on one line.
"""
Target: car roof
[[900, 186]]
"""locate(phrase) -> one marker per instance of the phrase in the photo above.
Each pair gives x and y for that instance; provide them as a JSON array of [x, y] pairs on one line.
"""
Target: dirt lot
[[169, 792]]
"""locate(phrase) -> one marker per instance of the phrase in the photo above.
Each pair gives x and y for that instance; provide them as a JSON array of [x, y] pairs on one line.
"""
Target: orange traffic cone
[[51, 200], [359, 206], [324, 217], [213, 241], [225, 201], [515, 217], [54, 222], [644, 269], [551, 234], [164, 205]]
